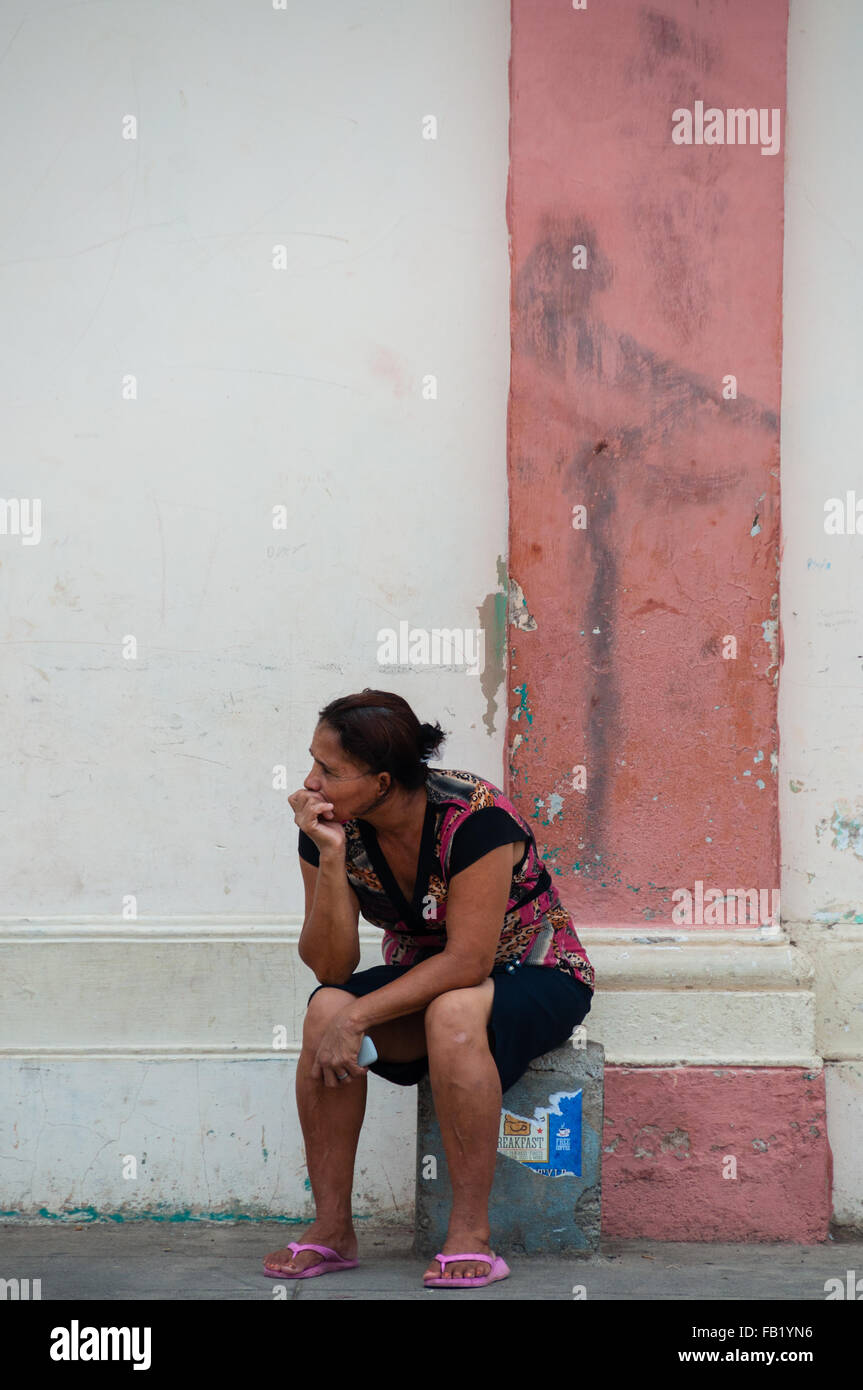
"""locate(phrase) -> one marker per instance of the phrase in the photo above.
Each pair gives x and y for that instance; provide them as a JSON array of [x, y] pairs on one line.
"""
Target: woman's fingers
[[303, 797], [337, 1073], [346, 1072], [308, 807], [324, 1071]]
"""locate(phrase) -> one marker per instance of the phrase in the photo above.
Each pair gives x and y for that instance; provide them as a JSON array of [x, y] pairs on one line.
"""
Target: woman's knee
[[459, 1017], [324, 1004]]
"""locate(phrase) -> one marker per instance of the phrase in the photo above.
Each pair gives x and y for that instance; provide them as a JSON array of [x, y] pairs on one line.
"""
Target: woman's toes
[[470, 1271], [281, 1261], [458, 1271]]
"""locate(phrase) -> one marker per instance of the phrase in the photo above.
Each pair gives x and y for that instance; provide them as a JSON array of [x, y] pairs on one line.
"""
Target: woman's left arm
[[475, 909]]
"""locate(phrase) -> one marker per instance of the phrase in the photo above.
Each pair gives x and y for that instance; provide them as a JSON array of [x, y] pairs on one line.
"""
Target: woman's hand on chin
[[316, 818]]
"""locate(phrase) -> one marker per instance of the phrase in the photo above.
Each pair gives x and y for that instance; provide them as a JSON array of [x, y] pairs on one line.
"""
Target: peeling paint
[[676, 1143], [770, 633], [521, 690], [847, 827], [519, 615]]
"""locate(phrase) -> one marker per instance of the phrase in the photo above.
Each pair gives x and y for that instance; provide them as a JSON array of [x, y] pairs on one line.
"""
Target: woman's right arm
[[329, 941]]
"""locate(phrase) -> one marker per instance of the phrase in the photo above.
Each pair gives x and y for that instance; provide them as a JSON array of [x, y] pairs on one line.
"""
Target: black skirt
[[535, 1009]]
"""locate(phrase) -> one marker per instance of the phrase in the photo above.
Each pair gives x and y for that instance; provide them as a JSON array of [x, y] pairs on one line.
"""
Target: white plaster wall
[[256, 387], [821, 682], [152, 259], [166, 1056]]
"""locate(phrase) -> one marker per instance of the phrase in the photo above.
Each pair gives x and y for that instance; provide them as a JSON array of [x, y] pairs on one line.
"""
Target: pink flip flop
[[331, 1263], [499, 1270]]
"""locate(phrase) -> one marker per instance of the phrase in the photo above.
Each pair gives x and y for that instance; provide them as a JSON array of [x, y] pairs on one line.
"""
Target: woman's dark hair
[[381, 730]]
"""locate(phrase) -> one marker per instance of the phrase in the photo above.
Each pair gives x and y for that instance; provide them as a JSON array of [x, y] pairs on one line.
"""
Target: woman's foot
[[342, 1239], [467, 1269]]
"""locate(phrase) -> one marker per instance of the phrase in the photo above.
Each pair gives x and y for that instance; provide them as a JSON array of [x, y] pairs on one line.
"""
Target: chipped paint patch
[[770, 633], [519, 614], [521, 690], [847, 827]]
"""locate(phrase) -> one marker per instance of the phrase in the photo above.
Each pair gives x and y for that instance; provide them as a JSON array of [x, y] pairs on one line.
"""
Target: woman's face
[[339, 779]]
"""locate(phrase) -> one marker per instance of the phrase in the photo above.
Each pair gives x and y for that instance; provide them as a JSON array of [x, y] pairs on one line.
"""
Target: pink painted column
[[644, 478], [617, 405]]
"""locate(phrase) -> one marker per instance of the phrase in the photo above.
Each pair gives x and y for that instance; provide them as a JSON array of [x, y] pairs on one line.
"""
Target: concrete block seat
[[546, 1193]]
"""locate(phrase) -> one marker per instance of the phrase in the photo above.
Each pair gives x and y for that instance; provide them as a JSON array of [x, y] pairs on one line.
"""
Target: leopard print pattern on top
[[359, 872], [481, 797]]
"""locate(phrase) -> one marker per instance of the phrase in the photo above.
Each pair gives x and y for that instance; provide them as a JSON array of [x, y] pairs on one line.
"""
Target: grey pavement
[[203, 1262]]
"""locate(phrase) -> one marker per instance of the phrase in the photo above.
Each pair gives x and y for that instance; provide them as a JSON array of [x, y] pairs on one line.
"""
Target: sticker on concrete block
[[550, 1143]]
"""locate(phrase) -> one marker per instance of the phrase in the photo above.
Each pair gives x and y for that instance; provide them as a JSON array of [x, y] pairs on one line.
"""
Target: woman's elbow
[[472, 972], [327, 972]]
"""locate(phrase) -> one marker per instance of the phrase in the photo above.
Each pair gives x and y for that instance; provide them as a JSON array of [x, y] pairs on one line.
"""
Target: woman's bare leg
[[331, 1120], [467, 1099]]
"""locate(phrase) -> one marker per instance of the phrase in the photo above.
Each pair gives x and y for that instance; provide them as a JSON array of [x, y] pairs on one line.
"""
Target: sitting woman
[[483, 971]]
